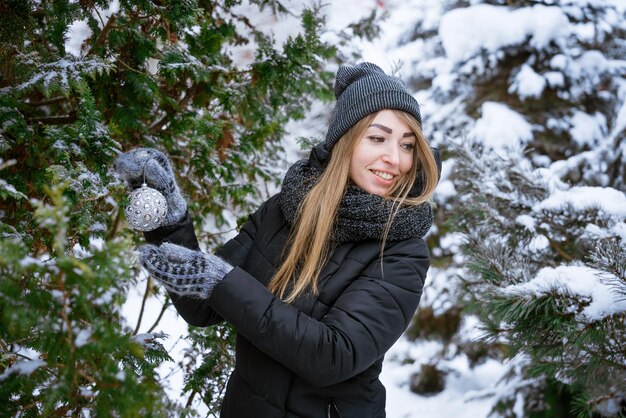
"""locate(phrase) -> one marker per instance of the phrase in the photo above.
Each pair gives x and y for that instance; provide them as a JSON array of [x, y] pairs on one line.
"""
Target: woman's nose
[[391, 155]]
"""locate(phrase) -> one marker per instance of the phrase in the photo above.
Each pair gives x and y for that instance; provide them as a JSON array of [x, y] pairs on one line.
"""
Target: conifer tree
[[543, 256], [157, 74]]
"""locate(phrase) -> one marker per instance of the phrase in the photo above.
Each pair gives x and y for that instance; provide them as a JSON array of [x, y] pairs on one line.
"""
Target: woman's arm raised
[[195, 309]]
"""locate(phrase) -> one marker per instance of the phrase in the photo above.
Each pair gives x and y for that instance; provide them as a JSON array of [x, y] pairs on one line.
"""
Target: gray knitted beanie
[[364, 89]]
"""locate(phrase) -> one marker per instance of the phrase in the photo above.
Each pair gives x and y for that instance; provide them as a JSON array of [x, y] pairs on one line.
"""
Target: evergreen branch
[[82, 153], [556, 247], [223, 344], [133, 69], [242, 19], [87, 377], [115, 226], [55, 120], [215, 234], [143, 305], [190, 399], [166, 304], [22, 356], [104, 33], [157, 125], [64, 310], [54, 100]]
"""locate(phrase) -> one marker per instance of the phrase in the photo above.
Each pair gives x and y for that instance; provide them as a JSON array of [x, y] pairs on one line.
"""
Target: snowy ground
[[464, 391]]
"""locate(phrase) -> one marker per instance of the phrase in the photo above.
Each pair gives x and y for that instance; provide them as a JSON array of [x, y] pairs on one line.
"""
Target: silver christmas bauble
[[147, 209]]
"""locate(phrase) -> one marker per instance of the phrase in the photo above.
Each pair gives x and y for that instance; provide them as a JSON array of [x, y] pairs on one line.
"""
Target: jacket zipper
[[332, 411]]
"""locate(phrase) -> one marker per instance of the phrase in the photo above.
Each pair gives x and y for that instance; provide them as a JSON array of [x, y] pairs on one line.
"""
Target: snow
[[445, 188], [620, 122], [466, 31], [29, 261], [500, 127], [555, 79], [620, 230], [587, 129], [79, 30], [451, 241], [585, 72], [527, 83], [462, 383], [26, 367], [60, 72], [82, 336], [527, 221], [106, 297], [562, 167], [171, 324], [580, 198], [438, 283], [580, 283], [10, 189], [538, 243]]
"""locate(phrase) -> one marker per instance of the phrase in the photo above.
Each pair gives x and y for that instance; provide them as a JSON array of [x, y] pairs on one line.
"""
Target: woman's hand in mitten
[[139, 163], [183, 271]]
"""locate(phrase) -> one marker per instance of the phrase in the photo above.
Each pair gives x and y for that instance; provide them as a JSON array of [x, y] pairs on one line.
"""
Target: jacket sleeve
[[236, 250], [196, 312], [366, 319]]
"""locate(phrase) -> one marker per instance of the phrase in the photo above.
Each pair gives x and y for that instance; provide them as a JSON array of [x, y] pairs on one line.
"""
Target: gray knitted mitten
[[184, 271], [134, 164]]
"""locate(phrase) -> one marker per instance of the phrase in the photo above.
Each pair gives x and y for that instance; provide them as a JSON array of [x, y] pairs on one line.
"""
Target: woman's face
[[383, 154]]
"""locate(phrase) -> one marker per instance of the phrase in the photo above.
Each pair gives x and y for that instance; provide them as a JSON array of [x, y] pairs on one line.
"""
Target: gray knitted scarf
[[361, 215]]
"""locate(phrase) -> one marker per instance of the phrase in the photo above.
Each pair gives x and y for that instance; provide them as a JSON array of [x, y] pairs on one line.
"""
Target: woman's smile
[[383, 175]]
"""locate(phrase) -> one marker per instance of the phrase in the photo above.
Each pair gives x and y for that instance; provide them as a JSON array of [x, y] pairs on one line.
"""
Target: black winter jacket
[[319, 356]]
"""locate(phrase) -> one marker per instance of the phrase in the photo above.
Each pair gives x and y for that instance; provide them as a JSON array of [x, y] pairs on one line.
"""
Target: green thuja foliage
[[214, 349], [198, 80], [63, 348]]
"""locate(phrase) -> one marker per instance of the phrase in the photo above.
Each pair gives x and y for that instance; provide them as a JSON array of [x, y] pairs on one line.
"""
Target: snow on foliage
[[150, 340], [539, 91], [465, 32], [606, 199], [24, 367], [527, 83], [495, 134], [582, 285], [58, 75]]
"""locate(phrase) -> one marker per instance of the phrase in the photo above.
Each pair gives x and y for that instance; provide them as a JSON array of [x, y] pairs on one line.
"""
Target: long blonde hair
[[311, 235]]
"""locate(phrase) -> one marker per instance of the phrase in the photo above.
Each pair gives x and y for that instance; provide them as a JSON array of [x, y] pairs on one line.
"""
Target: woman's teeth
[[385, 176]]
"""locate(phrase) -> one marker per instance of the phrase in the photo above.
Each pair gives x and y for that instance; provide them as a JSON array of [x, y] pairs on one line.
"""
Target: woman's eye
[[375, 138], [408, 146]]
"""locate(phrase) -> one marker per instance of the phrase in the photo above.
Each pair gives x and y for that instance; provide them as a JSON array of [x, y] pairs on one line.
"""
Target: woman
[[325, 276]]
